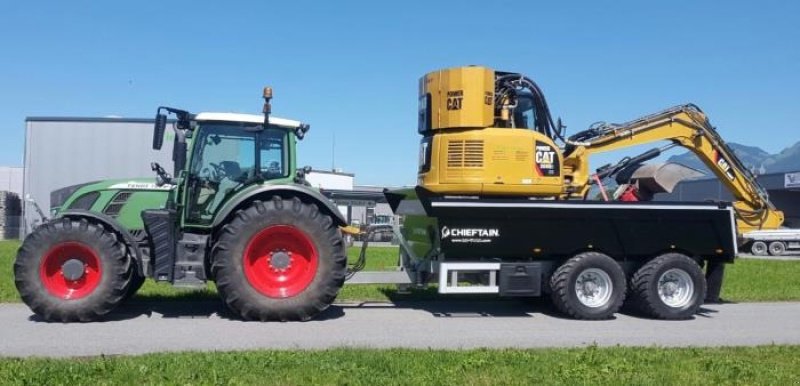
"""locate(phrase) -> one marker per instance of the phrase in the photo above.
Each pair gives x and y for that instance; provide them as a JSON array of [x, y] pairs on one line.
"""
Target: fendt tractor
[[502, 203], [236, 210]]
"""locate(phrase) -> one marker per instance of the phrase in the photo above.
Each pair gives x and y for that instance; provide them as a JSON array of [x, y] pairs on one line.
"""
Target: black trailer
[[667, 258]]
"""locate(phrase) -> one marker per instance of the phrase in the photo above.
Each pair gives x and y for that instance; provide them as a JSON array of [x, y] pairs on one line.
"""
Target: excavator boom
[[686, 126]]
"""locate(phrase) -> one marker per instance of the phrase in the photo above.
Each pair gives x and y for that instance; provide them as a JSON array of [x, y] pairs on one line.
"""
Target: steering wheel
[[219, 171]]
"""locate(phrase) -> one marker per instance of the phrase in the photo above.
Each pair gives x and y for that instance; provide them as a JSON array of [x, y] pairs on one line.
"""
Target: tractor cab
[[222, 159], [219, 154]]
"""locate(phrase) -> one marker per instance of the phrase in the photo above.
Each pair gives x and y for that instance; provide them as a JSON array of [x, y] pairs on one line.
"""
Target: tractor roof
[[249, 118]]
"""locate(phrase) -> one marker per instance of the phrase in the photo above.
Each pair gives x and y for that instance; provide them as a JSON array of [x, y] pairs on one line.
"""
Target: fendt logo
[[470, 235]]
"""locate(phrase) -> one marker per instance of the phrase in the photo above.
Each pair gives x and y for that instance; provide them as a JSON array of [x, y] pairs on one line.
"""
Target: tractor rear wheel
[[588, 286], [279, 260], [671, 286], [72, 270], [136, 283]]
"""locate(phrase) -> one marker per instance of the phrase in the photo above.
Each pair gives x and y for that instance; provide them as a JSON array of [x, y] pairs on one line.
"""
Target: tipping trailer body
[[510, 246]]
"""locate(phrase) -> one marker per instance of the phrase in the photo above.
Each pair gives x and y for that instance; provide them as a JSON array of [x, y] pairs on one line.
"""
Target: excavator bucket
[[662, 177]]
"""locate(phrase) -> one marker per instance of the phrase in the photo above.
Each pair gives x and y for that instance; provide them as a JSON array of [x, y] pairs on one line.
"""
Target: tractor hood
[[85, 196]]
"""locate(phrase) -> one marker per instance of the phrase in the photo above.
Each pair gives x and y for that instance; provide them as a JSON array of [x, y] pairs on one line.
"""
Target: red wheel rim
[[280, 261], [58, 283]]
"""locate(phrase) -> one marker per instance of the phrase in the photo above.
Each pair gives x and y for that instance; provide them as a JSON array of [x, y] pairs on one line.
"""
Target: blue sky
[[350, 69]]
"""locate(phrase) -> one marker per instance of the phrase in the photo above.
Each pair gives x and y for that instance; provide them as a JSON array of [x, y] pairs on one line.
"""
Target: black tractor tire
[[245, 286], [136, 283], [777, 248], [644, 287], [41, 279], [759, 248], [597, 267]]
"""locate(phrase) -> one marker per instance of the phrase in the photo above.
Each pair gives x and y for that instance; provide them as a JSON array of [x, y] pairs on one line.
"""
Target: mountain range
[[758, 160]]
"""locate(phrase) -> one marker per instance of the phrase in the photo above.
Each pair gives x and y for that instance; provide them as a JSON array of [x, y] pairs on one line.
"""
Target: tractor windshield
[[223, 159]]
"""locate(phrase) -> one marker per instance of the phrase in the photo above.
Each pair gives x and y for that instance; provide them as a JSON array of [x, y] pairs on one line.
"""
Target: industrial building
[[783, 189], [64, 151]]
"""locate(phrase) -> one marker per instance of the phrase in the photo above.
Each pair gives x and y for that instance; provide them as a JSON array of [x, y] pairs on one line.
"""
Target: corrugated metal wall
[[65, 151]]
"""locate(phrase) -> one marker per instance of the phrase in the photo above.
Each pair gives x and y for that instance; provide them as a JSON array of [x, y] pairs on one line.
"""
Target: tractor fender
[[114, 225], [265, 192]]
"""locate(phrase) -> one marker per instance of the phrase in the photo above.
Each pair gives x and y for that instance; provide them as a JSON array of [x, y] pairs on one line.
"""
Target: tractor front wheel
[[279, 260], [72, 270]]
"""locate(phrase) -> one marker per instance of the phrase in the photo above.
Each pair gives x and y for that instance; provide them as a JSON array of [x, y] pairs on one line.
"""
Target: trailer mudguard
[[264, 193], [109, 222]]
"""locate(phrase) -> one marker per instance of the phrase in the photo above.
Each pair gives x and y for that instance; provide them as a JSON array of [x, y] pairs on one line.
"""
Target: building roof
[[89, 119], [332, 172]]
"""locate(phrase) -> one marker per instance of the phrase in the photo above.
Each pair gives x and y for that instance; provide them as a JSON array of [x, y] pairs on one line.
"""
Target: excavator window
[[524, 113]]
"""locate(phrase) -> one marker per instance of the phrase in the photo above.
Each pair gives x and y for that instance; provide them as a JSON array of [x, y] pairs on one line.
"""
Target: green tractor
[[238, 212]]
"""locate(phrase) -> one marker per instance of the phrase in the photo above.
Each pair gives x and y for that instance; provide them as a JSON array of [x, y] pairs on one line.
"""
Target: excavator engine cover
[[456, 98], [464, 152]]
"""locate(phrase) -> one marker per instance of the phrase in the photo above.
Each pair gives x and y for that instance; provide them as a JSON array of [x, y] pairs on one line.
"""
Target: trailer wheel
[[279, 260], [759, 248], [777, 248], [72, 270], [590, 286], [670, 286]]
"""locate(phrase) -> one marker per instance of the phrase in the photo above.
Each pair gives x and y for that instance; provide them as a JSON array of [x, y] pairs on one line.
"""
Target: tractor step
[[189, 281]]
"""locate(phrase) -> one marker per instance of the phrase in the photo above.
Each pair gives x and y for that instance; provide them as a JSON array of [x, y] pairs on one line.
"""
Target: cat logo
[[545, 159], [455, 99]]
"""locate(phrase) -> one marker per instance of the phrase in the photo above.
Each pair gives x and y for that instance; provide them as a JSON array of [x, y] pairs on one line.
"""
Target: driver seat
[[231, 179]]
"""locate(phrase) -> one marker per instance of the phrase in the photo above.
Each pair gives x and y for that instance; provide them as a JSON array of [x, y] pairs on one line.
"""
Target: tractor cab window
[[223, 160], [274, 160]]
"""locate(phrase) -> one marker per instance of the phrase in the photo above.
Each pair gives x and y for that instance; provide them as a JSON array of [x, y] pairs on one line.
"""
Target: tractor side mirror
[[301, 130], [158, 131]]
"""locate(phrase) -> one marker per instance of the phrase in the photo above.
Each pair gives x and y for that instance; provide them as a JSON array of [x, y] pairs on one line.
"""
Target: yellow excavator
[[490, 133], [502, 204]]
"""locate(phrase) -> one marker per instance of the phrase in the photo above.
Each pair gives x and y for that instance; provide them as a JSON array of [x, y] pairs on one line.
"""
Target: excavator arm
[[686, 126]]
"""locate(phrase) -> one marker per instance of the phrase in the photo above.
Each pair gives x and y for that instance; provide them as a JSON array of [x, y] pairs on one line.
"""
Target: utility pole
[[333, 153]]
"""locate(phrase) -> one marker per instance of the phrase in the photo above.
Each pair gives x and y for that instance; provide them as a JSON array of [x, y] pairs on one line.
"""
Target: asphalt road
[[203, 325]]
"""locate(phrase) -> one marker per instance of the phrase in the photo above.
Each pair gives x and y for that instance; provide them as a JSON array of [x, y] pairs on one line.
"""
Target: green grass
[[778, 365], [745, 281], [749, 280], [8, 293]]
